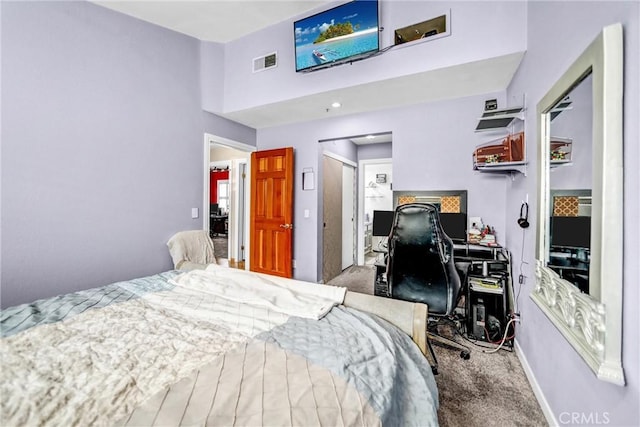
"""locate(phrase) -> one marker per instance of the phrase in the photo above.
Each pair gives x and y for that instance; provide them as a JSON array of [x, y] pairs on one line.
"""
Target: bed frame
[[409, 317]]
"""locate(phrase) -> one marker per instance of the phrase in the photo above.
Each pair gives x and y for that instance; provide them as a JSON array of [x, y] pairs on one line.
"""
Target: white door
[[348, 215]]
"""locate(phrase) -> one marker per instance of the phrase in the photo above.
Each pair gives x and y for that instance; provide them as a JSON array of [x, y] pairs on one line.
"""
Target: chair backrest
[[194, 246], [420, 266]]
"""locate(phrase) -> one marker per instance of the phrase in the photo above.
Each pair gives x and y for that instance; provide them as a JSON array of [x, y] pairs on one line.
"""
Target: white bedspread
[[101, 364], [97, 366], [293, 298]]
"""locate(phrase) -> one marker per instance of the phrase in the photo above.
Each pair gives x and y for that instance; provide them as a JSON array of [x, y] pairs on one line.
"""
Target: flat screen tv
[[571, 231], [454, 225], [382, 223], [342, 34]]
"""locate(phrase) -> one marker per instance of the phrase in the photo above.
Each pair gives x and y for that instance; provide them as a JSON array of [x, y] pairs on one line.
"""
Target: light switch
[[194, 213], [306, 213]]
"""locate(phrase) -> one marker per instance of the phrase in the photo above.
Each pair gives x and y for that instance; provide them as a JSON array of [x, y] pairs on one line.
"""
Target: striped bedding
[[152, 352]]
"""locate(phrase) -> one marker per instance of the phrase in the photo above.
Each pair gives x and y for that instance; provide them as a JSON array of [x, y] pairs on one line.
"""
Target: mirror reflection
[[570, 181]]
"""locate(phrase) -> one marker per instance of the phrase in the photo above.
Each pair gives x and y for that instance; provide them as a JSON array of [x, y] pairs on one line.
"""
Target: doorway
[[377, 195], [225, 199]]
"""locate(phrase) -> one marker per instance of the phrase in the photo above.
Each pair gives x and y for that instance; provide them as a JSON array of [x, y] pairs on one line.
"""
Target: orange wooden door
[[272, 212]]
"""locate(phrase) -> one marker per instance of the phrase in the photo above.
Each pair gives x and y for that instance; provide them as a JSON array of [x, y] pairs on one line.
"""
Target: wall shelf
[[504, 154], [504, 167], [497, 120], [557, 163]]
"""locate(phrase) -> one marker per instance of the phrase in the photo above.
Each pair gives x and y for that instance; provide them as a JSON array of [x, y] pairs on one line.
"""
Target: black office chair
[[421, 268]]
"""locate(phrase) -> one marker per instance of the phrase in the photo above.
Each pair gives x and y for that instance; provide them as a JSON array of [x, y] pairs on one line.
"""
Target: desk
[[487, 290], [474, 250], [218, 224], [571, 264], [381, 287]]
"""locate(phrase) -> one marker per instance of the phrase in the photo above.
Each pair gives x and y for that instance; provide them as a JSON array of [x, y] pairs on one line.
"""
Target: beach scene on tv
[[339, 33]]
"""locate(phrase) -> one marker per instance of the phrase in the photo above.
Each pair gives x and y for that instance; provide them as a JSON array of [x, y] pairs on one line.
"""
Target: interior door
[[271, 230], [332, 219], [348, 216]]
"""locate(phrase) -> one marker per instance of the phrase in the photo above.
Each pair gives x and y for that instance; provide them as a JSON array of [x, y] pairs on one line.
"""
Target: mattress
[[181, 348]]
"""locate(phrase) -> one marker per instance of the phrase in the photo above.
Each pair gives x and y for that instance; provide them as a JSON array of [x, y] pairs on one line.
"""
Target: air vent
[[265, 62]]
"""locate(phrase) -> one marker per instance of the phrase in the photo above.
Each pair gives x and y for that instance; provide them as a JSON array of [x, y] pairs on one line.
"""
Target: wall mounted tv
[[345, 33]]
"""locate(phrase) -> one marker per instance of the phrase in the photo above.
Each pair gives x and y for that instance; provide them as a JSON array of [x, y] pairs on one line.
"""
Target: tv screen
[[342, 34], [571, 231], [454, 225], [382, 223]]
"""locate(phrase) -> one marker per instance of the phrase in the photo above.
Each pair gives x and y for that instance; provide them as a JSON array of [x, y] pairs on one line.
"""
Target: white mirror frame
[[591, 323]]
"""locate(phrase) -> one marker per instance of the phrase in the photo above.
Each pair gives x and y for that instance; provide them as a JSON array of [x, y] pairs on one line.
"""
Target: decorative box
[[507, 149]]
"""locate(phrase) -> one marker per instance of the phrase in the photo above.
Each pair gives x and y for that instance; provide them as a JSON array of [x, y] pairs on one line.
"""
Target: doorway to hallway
[[376, 195], [225, 200]]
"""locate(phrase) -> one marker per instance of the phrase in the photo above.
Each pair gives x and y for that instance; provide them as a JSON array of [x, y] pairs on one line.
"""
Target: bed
[[216, 346]]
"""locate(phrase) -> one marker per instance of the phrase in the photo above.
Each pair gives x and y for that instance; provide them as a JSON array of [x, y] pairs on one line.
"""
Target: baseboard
[[537, 391]]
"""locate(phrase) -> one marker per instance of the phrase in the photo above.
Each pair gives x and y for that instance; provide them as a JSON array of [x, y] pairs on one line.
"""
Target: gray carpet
[[486, 390], [220, 246]]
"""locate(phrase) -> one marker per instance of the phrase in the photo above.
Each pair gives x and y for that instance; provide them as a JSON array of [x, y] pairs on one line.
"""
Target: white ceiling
[[225, 20], [213, 20]]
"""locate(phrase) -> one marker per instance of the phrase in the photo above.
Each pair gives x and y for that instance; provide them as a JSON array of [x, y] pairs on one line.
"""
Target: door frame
[[361, 184], [234, 232], [349, 193]]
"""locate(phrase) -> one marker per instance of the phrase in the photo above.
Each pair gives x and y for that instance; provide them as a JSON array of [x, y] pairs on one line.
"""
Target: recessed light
[[336, 105], [370, 136]]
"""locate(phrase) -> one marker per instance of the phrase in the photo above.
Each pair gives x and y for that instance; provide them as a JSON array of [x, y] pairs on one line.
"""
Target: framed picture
[[381, 178]]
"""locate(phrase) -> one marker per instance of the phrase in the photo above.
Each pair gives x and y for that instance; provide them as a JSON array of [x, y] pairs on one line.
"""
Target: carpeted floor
[[486, 390], [220, 246]]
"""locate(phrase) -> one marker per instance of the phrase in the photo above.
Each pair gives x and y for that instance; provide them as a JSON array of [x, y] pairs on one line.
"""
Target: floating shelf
[[494, 120], [557, 163], [503, 167], [504, 154]]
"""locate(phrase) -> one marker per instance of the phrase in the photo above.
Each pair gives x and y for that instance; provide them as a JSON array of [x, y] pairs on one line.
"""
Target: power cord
[[489, 347], [504, 338], [521, 276]]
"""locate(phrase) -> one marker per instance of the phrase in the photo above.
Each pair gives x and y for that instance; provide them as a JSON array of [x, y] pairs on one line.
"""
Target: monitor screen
[[382, 222], [341, 34], [454, 225], [571, 231]]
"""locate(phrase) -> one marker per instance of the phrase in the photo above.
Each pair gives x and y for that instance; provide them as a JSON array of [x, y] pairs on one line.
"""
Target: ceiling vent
[[265, 62]]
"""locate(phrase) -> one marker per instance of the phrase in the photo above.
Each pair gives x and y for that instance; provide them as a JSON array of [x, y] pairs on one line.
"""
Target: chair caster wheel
[[465, 355]]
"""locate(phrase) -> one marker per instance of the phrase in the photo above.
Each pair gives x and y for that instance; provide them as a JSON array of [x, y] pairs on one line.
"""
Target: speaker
[[523, 221]]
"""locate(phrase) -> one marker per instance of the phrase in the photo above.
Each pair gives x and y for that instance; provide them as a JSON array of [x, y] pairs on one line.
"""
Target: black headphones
[[523, 221]]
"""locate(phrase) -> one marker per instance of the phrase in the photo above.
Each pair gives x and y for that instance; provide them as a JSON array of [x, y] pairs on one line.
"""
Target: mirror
[[585, 304], [570, 181]]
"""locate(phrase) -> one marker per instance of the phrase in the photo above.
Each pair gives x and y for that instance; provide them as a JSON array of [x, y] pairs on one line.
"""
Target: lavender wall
[[557, 34], [212, 76], [375, 151], [575, 123], [102, 145], [341, 147], [480, 30], [429, 142]]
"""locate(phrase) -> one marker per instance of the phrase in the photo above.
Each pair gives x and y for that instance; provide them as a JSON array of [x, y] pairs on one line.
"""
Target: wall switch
[[306, 213], [293, 263], [194, 213]]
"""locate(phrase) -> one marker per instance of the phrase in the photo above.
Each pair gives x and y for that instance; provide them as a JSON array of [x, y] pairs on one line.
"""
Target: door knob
[[286, 226]]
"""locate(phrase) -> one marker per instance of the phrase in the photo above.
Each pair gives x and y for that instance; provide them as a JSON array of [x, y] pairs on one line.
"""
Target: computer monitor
[[454, 225], [382, 223], [213, 209], [571, 231]]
